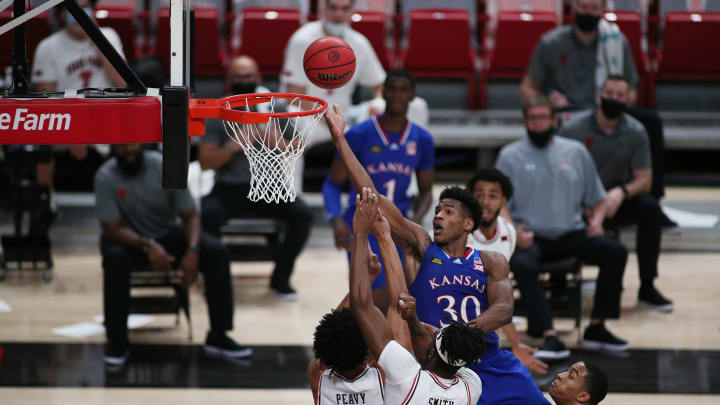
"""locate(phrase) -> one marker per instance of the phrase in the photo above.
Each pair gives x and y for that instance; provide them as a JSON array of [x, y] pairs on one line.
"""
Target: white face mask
[[336, 29]]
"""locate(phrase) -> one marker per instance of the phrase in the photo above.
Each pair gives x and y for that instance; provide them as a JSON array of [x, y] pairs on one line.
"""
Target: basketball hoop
[[272, 141]]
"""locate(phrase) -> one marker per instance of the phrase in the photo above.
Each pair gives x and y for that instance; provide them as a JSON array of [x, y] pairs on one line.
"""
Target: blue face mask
[[69, 20]]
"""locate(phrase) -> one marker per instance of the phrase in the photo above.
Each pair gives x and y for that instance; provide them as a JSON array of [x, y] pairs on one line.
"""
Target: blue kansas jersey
[[390, 159], [451, 287]]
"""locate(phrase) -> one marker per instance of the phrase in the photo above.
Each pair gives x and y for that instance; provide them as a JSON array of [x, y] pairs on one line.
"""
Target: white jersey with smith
[[366, 388]]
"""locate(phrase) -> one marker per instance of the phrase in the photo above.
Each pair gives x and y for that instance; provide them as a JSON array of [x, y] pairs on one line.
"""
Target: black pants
[[654, 127], [644, 211], [608, 253], [230, 201], [119, 260]]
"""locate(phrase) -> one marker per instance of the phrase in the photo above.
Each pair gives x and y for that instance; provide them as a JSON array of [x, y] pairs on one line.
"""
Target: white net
[[273, 148]]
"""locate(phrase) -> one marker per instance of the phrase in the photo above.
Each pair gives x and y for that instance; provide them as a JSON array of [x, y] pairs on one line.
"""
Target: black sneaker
[[284, 292], [651, 298], [116, 355], [552, 349], [221, 345], [598, 338]]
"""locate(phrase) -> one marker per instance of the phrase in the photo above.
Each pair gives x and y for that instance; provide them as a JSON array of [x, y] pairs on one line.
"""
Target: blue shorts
[[380, 281], [505, 380]]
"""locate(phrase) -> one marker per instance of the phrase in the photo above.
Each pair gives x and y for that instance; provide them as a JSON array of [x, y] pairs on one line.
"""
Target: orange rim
[[201, 108]]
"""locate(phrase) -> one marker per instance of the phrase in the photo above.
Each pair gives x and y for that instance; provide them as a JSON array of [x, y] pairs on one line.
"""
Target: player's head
[[456, 215], [588, 14], [69, 22], [455, 345], [243, 75], [398, 91], [337, 16], [582, 383], [615, 96], [129, 157], [339, 342], [540, 120], [492, 189]]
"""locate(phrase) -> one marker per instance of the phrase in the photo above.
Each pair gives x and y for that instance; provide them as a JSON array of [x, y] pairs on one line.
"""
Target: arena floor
[[675, 358]]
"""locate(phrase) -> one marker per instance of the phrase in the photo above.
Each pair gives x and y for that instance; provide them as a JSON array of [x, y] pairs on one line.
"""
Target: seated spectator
[[493, 190], [567, 56], [228, 198], [582, 383], [138, 220], [555, 180], [619, 147]]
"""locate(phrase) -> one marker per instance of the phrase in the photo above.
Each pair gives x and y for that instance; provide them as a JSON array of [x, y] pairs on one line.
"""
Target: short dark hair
[[461, 341], [596, 383], [538, 101], [400, 73], [339, 342], [617, 77], [470, 204], [494, 176]]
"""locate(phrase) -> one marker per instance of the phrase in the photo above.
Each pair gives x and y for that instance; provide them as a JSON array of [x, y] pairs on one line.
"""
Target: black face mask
[[586, 22], [131, 168], [243, 88], [541, 138], [612, 108]]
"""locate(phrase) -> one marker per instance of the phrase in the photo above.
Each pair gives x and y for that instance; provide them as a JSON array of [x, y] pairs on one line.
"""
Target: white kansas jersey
[[502, 242], [72, 64], [407, 384], [366, 388]]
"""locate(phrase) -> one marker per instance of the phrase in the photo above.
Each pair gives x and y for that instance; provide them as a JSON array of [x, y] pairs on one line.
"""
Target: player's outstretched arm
[[422, 334], [406, 234], [500, 296], [375, 328], [394, 276]]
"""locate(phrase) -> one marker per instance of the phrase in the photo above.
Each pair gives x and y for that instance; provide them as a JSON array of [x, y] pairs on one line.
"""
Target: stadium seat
[[690, 49], [121, 19], [209, 54], [372, 24], [168, 294], [515, 40], [450, 55], [264, 35]]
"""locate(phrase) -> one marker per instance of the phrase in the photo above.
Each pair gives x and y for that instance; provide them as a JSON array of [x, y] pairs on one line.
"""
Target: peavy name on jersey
[[358, 398]]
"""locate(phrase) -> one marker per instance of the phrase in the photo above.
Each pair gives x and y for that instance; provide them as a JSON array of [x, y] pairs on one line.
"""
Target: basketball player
[[582, 383], [443, 352], [449, 279], [338, 370], [493, 189], [391, 148]]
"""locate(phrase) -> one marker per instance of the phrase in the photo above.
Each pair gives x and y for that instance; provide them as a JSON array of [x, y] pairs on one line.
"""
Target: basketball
[[329, 62]]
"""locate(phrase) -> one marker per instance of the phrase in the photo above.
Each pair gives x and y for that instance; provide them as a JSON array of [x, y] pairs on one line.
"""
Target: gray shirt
[[561, 62], [618, 155], [552, 185], [139, 200]]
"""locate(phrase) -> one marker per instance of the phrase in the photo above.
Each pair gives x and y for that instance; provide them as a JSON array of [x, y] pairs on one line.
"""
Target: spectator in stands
[[555, 180], [619, 147], [139, 227], [68, 59], [493, 190], [391, 147], [228, 198], [582, 383], [568, 57]]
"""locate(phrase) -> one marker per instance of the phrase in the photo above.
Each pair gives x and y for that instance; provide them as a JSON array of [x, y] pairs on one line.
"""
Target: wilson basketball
[[329, 62]]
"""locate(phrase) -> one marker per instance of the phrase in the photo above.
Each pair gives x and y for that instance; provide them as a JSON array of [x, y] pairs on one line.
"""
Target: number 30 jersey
[[452, 288], [390, 159]]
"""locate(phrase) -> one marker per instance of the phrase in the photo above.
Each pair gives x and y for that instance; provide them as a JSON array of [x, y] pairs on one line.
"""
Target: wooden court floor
[[74, 296]]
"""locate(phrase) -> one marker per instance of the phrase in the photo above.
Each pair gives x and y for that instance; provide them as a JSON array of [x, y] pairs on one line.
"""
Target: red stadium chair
[[439, 47], [121, 19], [515, 40], [372, 25], [264, 35], [690, 50], [209, 55]]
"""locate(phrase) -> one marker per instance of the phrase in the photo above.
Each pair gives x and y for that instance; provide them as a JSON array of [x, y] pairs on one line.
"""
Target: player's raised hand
[[335, 121], [406, 305], [381, 227], [373, 264], [365, 211]]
